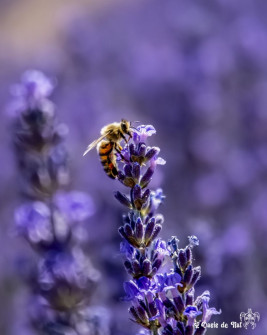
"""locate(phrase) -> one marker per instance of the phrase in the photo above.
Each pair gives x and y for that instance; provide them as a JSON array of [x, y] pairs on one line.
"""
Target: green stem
[[154, 328]]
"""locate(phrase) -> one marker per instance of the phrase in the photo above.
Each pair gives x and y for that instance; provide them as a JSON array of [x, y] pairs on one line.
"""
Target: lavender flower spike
[[63, 280], [162, 301]]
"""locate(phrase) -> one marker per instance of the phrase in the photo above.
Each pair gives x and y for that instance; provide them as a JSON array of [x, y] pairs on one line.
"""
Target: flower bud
[[122, 198]]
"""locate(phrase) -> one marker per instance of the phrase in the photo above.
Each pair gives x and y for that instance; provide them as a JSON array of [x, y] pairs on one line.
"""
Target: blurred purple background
[[197, 72]]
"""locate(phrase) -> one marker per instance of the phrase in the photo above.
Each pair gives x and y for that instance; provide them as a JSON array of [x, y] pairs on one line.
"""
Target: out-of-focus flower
[[34, 84], [76, 206], [31, 95], [156, 198], [193, 241], [64, 281], [67, 280], [33, 221]]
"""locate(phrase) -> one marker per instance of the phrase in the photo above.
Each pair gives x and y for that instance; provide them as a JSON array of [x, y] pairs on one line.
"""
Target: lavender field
[[197, 73]]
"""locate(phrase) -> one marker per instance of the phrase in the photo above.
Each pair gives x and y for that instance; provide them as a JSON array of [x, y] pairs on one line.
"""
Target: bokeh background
[[197, 71]]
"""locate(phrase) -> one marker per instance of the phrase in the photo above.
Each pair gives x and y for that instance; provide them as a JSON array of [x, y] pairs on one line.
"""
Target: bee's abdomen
[[108, 159], [105, 148]]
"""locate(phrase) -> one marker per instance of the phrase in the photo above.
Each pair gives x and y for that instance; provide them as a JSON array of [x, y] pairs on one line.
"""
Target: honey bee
[[109, 142]]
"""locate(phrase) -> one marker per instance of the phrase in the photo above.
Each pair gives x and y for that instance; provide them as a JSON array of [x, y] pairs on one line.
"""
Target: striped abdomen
[[108, 158]]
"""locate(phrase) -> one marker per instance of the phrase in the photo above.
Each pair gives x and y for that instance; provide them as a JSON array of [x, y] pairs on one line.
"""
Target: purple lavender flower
[[156, 198], [143, 132], [33, 221], [76, 206], [34, 84], [63, 280], [207, 311], [67, 280], [191, 312], [32, 93], [162, 302]]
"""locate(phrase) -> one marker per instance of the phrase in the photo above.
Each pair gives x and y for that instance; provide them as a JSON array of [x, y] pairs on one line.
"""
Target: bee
[[109, 143]]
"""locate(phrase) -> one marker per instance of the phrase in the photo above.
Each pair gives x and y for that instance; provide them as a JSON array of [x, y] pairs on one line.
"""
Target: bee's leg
[[118, 148], [130, 136], [125, 139]]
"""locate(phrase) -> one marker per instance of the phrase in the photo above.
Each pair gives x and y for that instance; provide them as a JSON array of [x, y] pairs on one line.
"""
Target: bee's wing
[[94, 143]]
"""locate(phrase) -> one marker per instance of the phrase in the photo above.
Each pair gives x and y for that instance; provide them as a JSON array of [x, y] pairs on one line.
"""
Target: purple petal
[[76, 206]]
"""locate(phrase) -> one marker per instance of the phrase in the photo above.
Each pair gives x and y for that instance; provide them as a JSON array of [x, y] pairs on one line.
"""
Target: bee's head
[[125, 126]]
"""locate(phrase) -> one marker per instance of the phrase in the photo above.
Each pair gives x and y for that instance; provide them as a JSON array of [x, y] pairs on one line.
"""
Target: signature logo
[[249, 318]]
